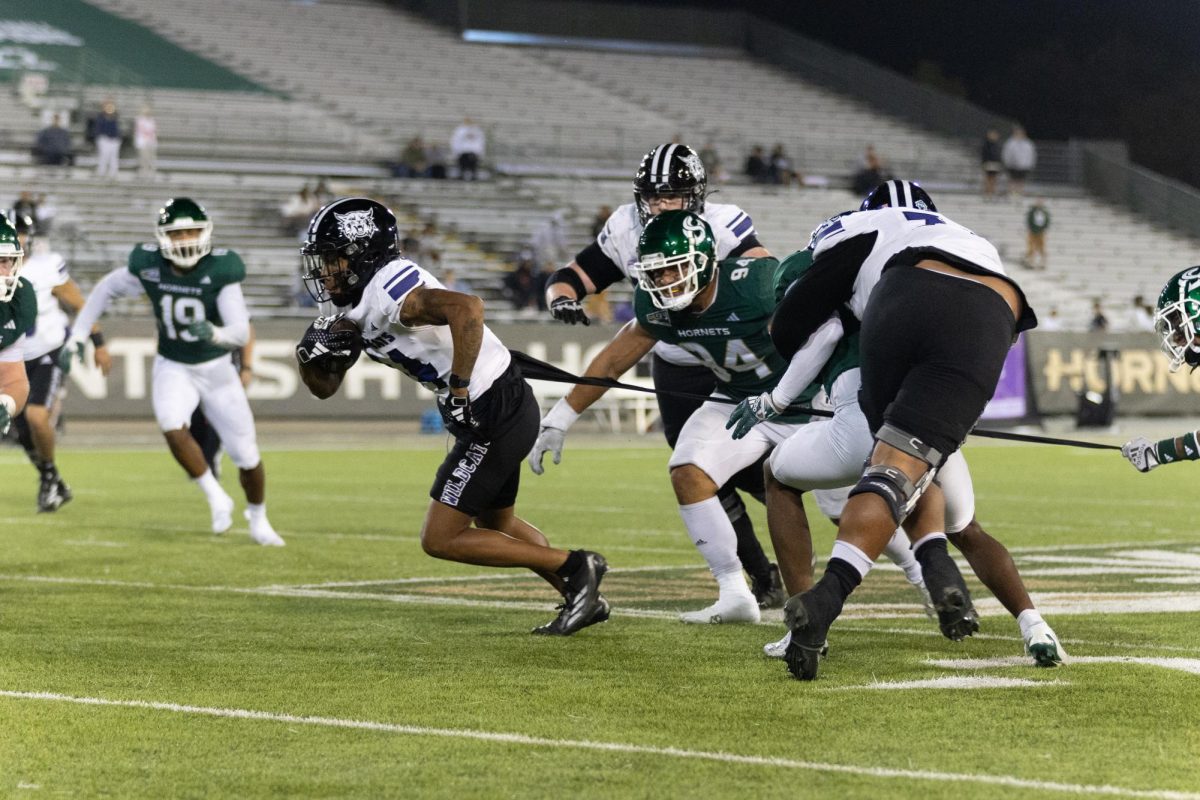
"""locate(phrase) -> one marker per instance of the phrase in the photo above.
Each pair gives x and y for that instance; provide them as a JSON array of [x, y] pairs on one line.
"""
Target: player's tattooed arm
[[463, 313]]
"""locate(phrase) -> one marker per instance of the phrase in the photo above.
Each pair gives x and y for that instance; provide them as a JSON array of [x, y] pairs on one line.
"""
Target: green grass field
[[140, 656]]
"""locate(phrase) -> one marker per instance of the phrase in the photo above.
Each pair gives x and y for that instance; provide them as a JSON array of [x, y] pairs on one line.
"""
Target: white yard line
[[508, 738], [503, 576]]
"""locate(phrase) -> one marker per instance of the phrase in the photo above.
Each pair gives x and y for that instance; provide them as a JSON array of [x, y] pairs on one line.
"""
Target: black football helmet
[[899, 194], [670, 170], [347, 242]]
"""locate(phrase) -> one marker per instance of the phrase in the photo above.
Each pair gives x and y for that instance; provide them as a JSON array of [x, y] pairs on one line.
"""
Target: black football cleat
[[583, 604], [64, 491], [769, 591], [809, 634], [49, 498], [956, 614]]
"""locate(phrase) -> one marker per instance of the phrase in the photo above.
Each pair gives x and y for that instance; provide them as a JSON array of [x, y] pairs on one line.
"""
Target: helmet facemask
[[1175, 324], [12, 257], [328, 274], [654, 278], [185, 253]]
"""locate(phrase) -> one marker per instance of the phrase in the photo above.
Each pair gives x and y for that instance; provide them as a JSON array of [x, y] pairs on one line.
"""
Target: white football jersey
[[46, 271], [903, 229], [424, 354], [619, 241], [14, 352]]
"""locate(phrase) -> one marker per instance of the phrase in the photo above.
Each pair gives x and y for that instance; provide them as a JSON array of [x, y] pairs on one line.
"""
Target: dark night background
[[1102, 69]]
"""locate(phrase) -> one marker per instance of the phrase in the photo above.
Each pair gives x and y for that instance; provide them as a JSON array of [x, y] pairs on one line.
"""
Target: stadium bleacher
[[339, 99]]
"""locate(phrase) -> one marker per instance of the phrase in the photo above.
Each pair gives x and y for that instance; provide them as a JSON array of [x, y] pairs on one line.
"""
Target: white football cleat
[[1043, 646], [262, 532], [222, 514], [927, 600], [777, 649], [742, 608]]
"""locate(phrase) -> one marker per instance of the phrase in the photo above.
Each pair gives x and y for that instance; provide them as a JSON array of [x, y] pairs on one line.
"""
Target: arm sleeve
[[816, 294], [749, 243], [808, 361], [599, 267], [118, 283], [236, 330]]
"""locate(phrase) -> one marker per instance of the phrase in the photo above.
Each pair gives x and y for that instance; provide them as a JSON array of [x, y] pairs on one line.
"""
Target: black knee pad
[[889, 483]]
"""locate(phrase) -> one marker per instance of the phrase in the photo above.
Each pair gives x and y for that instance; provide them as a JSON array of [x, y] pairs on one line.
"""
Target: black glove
[[564, 309], [328, 346], [456, 413]]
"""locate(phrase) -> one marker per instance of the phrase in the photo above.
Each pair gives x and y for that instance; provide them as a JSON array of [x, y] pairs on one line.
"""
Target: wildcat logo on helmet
[[356, 224], [693, 162]]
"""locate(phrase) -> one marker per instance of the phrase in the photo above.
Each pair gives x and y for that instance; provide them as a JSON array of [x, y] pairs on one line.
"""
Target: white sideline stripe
[[933, 632], [1189, 665], [513, 576], [953, 682], [617, 747]]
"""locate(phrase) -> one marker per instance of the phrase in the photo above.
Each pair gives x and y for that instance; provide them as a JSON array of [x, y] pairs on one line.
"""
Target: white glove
[[553, 435], [1141, 453]]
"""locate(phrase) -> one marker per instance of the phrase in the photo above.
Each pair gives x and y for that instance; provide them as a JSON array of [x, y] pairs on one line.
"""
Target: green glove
[[750, 412], [71, 351], [202, 330]]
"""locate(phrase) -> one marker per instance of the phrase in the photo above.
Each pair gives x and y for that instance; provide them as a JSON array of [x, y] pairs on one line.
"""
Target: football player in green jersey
[[196, 295], [18, 310], [718, 312], [1177, 322]]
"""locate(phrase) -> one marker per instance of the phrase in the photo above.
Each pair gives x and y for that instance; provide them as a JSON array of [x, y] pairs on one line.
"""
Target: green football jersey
[[180, 298], [18, 314], [731, 336]]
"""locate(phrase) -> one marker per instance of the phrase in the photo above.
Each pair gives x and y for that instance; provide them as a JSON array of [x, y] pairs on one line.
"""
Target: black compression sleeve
[[571, 278], [599, 267], [816, 294], [749, 243]]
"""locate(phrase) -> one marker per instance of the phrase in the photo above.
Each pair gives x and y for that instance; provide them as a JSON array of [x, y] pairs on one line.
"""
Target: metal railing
[[1167, 202]]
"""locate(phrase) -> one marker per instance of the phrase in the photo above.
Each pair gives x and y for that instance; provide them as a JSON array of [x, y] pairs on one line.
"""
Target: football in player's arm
[[1177, 321], [195, 292], [401, 316]]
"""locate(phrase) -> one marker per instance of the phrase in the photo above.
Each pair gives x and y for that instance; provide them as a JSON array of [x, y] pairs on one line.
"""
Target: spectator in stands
[[1141, 316], [53, 145], [107, 129], [712, 163], [1051, 322], [44, 215], [1099, 321], [549, 240], [466, 147], [990, 161], [600, 220], [1019, 157], [757, 169], [872, 171], [410, 245], [297, 210], [323, 193], [429, 241], [454, 283], [145, 141], [435, 157], [412, 160], [1037, 222], [779, 167], [520, 286]]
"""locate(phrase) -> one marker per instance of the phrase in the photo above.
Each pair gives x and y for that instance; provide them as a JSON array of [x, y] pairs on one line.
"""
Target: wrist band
[[97, 339], [455, 382], [562, 416]]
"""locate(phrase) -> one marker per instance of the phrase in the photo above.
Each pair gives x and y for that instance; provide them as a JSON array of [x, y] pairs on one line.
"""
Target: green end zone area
[[72, 41], [144, 657]]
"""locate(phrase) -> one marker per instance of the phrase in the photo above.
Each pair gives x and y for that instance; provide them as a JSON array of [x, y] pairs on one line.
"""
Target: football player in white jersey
[[404, 318], [52, 282], [672, 177], [830, 452], [915, 280], [18, 309]]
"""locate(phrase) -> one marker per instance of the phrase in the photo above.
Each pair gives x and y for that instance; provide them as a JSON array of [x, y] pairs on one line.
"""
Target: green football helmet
[[184, 214], [677, 258], [12, 256], [1177, 317]]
